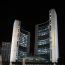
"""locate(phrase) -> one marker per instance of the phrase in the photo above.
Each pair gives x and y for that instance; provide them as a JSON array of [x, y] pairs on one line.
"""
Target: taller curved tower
[[53, 35]]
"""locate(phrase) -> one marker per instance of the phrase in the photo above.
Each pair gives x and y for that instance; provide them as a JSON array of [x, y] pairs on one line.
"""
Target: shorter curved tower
[[15, 36]]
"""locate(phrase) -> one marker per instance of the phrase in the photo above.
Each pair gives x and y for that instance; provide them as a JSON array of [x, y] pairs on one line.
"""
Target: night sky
[[29, 17]]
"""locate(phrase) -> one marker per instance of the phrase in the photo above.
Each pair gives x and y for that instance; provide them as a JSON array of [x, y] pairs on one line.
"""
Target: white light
[[39, 50]]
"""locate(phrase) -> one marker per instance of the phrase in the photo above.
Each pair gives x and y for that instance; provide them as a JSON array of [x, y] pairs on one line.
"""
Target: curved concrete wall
[[16, 30], [53, 35]]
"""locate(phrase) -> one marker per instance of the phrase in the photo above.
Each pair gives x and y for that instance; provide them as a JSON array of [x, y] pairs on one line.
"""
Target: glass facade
[[23, 44], [42, 43]]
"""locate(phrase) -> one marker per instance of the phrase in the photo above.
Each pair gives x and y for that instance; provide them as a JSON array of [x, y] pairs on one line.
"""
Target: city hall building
[[46, 43]]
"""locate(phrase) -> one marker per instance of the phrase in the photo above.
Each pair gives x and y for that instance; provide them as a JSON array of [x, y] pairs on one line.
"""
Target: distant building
[[0, 48], [46, 39], [0, 55], [6, 47], [0, 59]]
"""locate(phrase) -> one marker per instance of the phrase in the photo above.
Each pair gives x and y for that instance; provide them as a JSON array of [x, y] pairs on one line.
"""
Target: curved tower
[[46, 39], [53, 35], [15, 36]]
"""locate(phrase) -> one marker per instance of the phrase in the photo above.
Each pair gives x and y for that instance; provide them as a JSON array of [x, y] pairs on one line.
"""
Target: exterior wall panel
[[53, 35]]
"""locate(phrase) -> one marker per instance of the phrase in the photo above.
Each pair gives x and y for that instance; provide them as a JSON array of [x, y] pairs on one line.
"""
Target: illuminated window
[[42, 41], [22, 46]]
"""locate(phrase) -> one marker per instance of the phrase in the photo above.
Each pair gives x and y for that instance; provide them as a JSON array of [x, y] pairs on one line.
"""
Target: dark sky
[[29, 16]]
